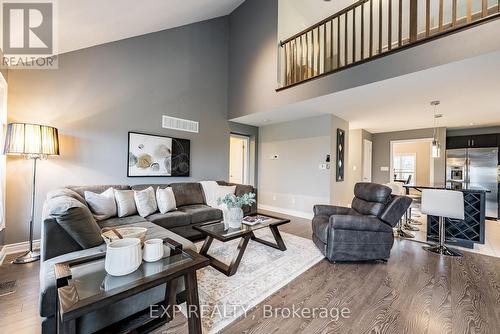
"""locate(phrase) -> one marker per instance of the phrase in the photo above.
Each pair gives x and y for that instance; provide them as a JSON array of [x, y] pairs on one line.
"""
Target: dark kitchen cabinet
[[484, 141], [476, 141]]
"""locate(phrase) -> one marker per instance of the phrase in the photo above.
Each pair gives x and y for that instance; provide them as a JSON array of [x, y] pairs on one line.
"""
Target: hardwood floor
[[415, 292]]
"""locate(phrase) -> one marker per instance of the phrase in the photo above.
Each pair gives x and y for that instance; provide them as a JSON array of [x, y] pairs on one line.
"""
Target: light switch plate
[[384, 169]]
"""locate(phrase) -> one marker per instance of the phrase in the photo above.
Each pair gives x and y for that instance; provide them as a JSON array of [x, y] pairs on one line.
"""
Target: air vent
[[180, 124]]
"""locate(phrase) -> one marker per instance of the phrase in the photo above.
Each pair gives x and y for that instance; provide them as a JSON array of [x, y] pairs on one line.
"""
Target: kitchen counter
[[459, 232]]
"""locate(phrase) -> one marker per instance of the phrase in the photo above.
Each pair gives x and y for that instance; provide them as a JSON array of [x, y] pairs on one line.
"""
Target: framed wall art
[[154, 155]]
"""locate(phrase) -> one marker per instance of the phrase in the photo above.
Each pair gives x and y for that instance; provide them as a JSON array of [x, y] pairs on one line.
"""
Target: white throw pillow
[[223, 191], [103, 205], [165, 199], [145, 201], [125, 203]]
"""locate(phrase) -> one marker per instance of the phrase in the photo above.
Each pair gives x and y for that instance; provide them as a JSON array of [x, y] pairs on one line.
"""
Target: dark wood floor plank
[[415, 292]]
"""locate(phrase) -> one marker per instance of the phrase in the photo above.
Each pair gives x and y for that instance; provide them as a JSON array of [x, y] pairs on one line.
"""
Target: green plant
[[233, 201]]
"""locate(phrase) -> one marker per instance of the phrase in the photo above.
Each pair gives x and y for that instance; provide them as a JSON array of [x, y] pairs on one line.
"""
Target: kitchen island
[[466, 232]]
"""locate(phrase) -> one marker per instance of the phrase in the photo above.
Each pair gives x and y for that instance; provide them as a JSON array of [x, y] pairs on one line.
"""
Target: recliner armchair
[[364, 231]]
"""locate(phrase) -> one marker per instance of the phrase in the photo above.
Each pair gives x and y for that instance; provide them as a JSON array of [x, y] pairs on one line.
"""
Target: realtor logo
[[28, 33]]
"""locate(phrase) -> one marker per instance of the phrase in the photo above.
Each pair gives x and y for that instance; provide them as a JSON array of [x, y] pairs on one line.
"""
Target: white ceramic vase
[[234, 217], [123, 256]]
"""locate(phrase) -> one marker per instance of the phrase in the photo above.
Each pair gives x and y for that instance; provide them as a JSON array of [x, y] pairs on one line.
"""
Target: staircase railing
[[372, 28]]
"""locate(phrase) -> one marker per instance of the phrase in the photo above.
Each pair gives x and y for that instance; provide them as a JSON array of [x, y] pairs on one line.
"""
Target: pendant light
[[436, 146]]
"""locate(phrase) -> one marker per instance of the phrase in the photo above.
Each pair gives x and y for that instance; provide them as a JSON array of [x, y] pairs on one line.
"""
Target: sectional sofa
[[59, 245]]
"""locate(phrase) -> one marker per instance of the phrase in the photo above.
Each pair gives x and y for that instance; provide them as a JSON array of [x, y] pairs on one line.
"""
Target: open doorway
[[239, 159], [411, 161]]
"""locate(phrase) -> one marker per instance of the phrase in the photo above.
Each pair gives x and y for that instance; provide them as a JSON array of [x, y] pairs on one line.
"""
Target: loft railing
[[371, 28]]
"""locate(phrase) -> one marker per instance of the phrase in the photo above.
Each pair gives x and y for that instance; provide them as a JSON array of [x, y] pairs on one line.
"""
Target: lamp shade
[[31, 139]]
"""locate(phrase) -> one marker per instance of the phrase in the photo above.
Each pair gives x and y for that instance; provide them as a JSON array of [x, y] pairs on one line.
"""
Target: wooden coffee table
[[217, 230], [83, 286]]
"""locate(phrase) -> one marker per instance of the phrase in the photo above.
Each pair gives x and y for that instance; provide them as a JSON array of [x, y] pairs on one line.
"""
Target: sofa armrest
[[329, 210], [55, 241], [359, 223]]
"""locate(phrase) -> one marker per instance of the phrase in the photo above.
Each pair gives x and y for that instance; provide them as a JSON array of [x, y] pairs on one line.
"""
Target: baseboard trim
[[295, 213], [17, 248]]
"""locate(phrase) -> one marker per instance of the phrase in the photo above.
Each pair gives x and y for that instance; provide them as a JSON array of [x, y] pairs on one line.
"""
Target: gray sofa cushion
[[65, 192], [115, 221], [370, 198], [98, 189], [201, 213], [76, 219], [170, 219], [188, 194]]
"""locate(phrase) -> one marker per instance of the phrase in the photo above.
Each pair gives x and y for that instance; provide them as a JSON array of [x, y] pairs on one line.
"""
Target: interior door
[[367, 160], [238, 160]]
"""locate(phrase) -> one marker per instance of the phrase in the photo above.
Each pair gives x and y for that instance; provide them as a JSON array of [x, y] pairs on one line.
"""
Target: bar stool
[[443, 204], [398, 189]]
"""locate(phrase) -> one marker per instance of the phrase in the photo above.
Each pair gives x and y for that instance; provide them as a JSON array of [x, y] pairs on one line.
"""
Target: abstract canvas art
[[153, 155]]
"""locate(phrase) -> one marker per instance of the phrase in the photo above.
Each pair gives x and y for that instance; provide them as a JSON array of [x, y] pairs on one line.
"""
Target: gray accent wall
[[99, 94], [382, 152], [253, 46]]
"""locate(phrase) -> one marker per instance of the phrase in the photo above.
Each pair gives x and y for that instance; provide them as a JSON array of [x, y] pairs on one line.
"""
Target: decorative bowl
[[111, 234]]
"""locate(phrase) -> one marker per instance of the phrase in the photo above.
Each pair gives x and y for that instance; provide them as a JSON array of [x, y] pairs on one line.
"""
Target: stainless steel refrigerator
[[475, 168]]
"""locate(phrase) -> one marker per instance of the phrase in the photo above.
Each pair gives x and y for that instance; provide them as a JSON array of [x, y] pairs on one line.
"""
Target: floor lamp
[[33, 142]]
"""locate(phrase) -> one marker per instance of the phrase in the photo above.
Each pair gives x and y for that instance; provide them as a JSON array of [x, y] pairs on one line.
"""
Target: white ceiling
[[85, 23], [469, 91]]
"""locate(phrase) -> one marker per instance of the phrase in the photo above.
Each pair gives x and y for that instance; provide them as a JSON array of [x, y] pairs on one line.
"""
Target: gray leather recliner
[[364, 231]]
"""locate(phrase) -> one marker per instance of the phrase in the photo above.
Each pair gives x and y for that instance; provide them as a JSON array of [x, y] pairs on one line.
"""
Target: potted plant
[[233, 216]]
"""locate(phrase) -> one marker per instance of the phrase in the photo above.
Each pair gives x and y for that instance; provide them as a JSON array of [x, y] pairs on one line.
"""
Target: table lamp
[[33, 142]]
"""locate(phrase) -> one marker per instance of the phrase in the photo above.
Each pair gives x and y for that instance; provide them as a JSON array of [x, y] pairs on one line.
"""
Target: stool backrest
[[443, 203]]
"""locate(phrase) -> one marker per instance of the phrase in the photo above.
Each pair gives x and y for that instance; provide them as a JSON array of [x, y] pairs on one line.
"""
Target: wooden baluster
[[371, 28], [485, 8], [354, 35], [389, 25], [306, 74], [338, 42], [380, 18], [363, 31], [400, 23], [324, 49], [427, 18], [454, 14], [413, 21], [441, 15], [346, 41], [285, 48], [331, 45], [301, 59], [318, 52], [469, 11], [312, 53]]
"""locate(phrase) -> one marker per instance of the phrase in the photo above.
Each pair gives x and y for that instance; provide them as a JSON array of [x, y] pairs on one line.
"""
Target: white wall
[[297, 15], [294, 183]]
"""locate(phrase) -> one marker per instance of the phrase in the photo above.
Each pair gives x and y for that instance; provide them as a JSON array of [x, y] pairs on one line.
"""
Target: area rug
[[263, 270]]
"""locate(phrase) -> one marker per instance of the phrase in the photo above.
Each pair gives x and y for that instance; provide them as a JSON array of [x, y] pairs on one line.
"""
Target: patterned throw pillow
[[125, 203], [103, 205], [145, 201], [166, 200]]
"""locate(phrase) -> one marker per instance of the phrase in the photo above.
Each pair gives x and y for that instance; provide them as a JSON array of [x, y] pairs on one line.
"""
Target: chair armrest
[[359, 223], [329, 210]]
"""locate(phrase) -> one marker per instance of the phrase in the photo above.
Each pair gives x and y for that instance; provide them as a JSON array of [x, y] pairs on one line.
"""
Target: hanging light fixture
[[436, 146]]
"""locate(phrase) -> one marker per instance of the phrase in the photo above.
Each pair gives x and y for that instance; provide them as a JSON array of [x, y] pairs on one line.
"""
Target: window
[[405, 166]]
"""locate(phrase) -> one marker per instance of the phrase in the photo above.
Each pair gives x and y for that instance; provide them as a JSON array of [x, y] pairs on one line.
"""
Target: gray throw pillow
[[76, 219], [65, 192]]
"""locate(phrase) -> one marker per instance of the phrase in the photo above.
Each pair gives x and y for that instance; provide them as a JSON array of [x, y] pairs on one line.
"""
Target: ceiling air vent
[[180, 124]]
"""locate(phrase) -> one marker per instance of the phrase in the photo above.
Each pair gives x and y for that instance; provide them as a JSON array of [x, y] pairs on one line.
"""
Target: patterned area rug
[[263, 270]]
